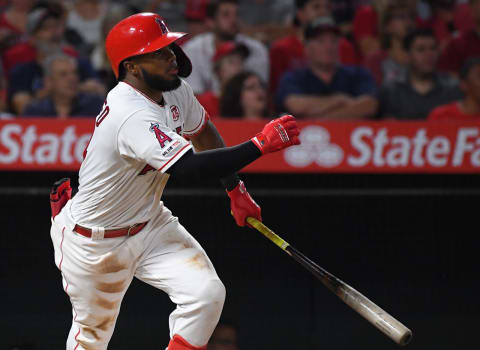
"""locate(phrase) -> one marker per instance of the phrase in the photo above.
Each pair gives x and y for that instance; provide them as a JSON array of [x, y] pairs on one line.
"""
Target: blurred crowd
[[253, 59]]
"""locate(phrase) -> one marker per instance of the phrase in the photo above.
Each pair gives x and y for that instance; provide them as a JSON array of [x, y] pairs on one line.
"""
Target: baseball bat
[[391, 327]]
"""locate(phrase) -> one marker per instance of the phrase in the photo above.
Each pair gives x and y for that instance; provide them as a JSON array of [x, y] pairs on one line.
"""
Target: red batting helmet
[[140, 34]]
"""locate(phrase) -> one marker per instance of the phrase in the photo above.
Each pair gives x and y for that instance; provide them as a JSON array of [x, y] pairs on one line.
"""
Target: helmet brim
[[162, 42]]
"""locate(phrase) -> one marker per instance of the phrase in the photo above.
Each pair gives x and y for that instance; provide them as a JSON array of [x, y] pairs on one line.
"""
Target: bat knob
[[405, 339]]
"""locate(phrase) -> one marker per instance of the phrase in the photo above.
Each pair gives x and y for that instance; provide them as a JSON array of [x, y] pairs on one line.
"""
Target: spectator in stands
[[244, 96], [463, 19], [70, 37], [195, 16], [224, 337], [44, 28], [464, 46], [222, 18], [442, 21], [172, 10], [99, 59], [326, 89], [46, 37], [343, 12], [424, 89], [4, 114], [366, 24], [13, 22], [469, 107], [365, 27], [85, 18], [390, 63], [64, 99], [228, 61], [266, 20], [288, 53]]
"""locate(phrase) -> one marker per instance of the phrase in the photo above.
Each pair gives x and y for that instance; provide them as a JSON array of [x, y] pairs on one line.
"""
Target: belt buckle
[[128, 232]]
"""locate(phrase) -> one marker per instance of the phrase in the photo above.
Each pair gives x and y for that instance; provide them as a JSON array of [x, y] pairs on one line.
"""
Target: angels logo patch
[[162, 25], [159, 134], [175, 112]]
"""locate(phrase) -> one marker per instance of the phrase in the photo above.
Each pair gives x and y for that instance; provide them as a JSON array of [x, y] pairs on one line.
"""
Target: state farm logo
[[28, 145], [316, 148], [386, 147]]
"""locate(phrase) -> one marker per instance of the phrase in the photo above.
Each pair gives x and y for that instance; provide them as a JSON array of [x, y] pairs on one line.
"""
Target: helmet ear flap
[[184, 63]]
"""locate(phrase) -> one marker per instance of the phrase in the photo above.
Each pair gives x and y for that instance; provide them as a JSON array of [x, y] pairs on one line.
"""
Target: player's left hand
[[243, 205]]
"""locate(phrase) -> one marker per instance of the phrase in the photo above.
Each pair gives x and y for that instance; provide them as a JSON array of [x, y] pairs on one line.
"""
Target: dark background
[[408, 242]]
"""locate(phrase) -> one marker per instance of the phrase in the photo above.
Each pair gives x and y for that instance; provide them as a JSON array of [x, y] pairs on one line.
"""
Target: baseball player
[[116, 227]]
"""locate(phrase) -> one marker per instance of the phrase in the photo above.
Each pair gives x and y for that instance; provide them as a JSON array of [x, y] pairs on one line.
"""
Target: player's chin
[[170, 84]]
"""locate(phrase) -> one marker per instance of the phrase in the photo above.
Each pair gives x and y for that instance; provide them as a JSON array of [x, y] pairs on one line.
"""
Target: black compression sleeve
[[216, 163], [230, 181]]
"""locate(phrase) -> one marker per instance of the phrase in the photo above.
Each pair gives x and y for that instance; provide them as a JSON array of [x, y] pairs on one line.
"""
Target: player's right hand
[[277, 135], [243, 205]]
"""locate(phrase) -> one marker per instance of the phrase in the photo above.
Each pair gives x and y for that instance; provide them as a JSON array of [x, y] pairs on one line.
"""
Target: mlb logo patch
[[175, 112]]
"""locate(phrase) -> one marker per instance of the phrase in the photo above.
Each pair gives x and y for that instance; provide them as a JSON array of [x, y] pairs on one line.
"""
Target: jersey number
[[103, 114]]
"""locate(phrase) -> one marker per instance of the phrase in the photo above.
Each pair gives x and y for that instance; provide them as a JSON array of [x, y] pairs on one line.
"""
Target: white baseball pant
[[97, 273]]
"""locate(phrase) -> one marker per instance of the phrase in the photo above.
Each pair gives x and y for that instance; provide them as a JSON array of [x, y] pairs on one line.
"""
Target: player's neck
[[154, 95]]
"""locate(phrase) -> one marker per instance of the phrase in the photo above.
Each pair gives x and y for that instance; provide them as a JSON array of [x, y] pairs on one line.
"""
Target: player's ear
[[131, 67]]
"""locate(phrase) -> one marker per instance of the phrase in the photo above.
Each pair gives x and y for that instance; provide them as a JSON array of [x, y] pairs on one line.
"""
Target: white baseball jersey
[[135, 142]]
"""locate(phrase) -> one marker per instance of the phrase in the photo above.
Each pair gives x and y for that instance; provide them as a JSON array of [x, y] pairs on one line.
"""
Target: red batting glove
[[277, 135], [243, 205]]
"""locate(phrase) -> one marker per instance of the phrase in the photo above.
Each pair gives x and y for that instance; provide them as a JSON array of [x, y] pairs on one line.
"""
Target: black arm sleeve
[[230, 181], [219, 162]]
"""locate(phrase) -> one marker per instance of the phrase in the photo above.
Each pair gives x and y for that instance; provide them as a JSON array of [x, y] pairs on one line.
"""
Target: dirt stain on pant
[[85, 345], [198, 261], [106, 304], [91, 331], [114, 287], [110, 263], [105, 323]]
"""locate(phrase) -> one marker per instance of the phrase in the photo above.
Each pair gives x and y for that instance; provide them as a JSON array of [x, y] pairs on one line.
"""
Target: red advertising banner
[[338, 147]]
